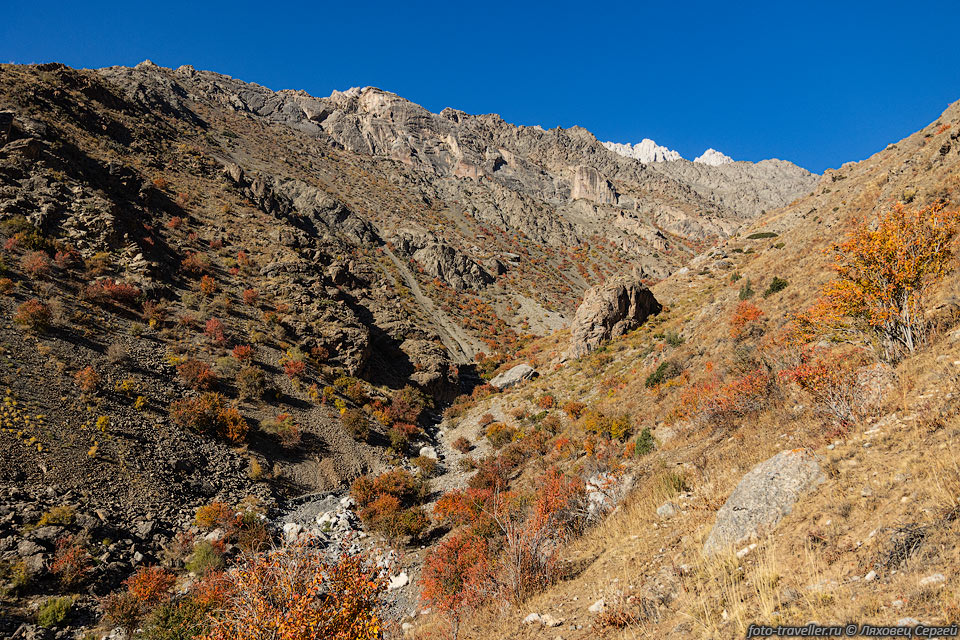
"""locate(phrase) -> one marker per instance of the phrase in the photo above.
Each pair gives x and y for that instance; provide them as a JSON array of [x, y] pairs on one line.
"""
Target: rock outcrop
[[764, 496], [442, 261], [514, 376], [608, 311]]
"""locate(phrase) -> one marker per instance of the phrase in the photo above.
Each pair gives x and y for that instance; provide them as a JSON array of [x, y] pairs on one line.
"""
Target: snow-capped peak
[[645, 151], [713, 158]]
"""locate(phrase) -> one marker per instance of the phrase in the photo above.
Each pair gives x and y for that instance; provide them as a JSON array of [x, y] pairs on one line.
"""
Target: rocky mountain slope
[[750, 501], [222, 305]]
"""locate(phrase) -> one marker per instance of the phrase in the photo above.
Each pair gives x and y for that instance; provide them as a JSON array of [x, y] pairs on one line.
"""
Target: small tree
[[884, 271]]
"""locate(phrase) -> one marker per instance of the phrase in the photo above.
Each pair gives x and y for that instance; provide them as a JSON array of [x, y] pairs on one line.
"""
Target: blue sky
[[818, 83]]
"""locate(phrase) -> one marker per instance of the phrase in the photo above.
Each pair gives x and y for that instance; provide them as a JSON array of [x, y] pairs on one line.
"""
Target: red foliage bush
[[109, 290], [35, 264], [71, 562], [214, 331], [33, 314], [250, 296], [195, 264], [243, 352], [197, 374]]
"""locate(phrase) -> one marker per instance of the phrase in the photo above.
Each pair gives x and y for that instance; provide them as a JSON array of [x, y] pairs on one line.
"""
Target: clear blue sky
[[818, 83]]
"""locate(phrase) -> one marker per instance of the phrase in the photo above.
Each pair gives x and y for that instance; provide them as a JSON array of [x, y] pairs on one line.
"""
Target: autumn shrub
[[208, 286], [35, 264], [616, 427], [727, 403], [87, 379], [296, 593], [462, 445], [744, 322], [499, 434], [427, 465], [6, 285], [250, 296], [885, 270], [71, 561], [109, 290], [251, 382], [284, 427], [400, 435], [197, 374], [831, 379], [33, 315], [546, 401], [208, 414], [667, 370], [67, 257], [574, 409], [389, 503], [407, 405], [216, 515], [356, 423], [458, 577], [242, 352], [195, 264], [151, 585], [294, 369], [214, 330], [493, 472]]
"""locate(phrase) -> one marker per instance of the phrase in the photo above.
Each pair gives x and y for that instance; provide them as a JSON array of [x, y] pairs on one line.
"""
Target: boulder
[[609, 311], [765, 494], [514, 376]]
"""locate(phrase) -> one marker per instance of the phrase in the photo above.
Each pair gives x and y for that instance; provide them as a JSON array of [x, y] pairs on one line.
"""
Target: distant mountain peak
[[713, 158], [645, 151]]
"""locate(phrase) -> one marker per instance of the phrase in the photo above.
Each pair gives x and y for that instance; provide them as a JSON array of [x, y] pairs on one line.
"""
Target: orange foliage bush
[[294, 593], [458, 576], [87, 379], [742, 324], [208, 286], [574, 409], [71, 561], [250, 296], [208, 414], [34, 315], [151, 585], [884, 270]]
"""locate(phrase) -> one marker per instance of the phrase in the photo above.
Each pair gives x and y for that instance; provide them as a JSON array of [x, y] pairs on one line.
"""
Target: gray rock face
[[765, 494], [557, 187], [442, 261], [609, 311], [514, 376]]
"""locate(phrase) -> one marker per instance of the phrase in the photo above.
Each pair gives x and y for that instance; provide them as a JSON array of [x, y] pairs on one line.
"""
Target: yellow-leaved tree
[[884, 271]]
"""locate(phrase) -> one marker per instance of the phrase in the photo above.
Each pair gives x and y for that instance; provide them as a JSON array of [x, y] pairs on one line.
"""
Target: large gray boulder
[[764, 496], [514, 376], [609, 311]]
